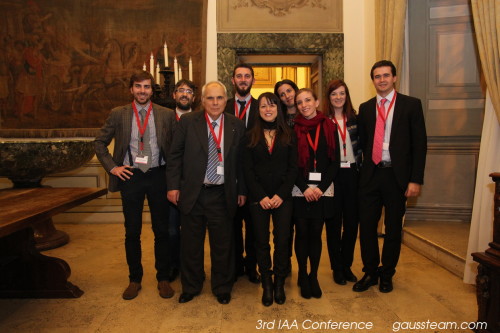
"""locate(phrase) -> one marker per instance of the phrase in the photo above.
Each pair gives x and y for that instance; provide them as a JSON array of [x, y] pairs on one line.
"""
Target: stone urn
[[28, 155]]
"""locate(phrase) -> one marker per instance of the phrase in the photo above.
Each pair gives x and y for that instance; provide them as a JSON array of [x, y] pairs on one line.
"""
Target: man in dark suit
[[184, 96], [394, 143], [142, 132], [244, 106], [204, 178]]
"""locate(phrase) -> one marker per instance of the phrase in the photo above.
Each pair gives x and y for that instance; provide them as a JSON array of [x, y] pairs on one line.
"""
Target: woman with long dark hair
[[318, 162], [286, 90], [270, 166], [342, 228]]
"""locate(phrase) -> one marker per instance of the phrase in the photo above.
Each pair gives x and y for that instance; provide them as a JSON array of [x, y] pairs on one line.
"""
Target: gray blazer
[[118, 126]]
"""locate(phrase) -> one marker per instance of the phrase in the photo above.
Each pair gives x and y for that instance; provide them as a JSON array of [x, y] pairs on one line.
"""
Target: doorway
[[304, 70]]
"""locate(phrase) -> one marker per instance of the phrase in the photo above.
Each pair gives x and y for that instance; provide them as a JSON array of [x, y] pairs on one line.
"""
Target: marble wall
[[330, 47]]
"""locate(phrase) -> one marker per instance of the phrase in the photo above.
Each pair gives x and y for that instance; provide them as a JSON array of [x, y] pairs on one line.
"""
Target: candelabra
[[163, 94]]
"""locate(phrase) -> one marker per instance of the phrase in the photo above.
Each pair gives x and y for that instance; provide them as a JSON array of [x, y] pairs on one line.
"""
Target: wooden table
[[25, 273]]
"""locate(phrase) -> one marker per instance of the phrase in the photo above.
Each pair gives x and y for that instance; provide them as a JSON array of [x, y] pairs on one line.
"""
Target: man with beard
[[244, 106], [143, 133], [184, 98]]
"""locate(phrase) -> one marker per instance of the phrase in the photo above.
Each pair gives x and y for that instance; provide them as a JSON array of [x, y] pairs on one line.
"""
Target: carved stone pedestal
[[488, 278]]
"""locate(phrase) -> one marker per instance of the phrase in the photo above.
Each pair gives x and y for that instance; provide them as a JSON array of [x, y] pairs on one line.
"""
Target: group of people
[[237, 166]]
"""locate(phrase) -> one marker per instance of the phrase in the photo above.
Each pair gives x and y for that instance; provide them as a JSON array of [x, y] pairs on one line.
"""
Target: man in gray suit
[[142, 132], [204, 178]]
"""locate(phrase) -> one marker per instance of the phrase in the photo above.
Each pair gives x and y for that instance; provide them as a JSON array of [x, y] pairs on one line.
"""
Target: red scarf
[[303, 126]]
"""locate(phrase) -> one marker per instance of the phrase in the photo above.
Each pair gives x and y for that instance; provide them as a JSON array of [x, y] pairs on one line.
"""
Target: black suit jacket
[[254, 109], [187, 160], [269, 174], [408, 142], [118, 126]]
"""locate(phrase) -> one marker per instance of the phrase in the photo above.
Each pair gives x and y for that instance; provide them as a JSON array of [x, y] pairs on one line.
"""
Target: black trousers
[[174, 236], [153, 186], [342, 229], [210, 212], [382, 190], [244, 242], [282, 217], [308, 244]]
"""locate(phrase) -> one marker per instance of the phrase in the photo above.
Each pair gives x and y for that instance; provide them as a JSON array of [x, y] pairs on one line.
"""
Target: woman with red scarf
[[318, 162]]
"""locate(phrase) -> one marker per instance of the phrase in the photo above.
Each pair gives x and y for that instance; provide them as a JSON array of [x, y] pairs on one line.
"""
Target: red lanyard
[[385, 116], [142, 129], [217, 140], [315, 146], [343, 134], [237, 109]]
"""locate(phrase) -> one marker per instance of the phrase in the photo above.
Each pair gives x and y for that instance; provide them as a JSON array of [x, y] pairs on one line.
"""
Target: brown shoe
[[132, 291], [165, 290]]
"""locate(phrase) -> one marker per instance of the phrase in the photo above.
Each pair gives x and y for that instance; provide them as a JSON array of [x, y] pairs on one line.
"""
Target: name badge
[[385, 146], [141, 160], [220, 170], [315, 176], [345, 164]]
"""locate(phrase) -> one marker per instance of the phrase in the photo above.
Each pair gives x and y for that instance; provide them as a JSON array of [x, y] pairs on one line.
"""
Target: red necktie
[[378, 139]]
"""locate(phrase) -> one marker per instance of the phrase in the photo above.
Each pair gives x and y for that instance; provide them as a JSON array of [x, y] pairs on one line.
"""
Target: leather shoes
[[253, 276], [132, 291], [366, 282], [339, 277], [186, 297], [385, 285], [349, 276], [165, 289], [173, 273], [224, 298]]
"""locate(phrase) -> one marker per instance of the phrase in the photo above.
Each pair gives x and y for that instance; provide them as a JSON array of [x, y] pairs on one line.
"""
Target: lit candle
[[157, 73], [144, 67], [180, 73], [190, 69], [176, 71], [152, 64], [165, 53]]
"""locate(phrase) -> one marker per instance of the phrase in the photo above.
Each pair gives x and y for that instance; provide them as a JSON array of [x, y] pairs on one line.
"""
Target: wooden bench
[[25, 273]]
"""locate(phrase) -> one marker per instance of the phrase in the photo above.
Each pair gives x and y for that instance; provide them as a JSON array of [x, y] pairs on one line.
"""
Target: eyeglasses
[[182, 91]]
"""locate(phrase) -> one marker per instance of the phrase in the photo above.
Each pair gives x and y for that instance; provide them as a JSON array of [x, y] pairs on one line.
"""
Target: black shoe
[[339, 277], [349, 276], [253, 276], [315, 288], [267, 294], [366, 282], [186, 297], [305, 287], [279, 290], [173, 273], [385, 285], [224, 298]]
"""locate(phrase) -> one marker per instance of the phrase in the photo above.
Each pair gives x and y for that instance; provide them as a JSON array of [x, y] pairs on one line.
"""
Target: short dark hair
[[383, 63], [243, 65], [188, 83], [139, 76]]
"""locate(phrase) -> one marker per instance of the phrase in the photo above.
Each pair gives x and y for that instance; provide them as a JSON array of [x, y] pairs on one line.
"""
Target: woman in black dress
[[342, 228], [318, 162], [270, 166]]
